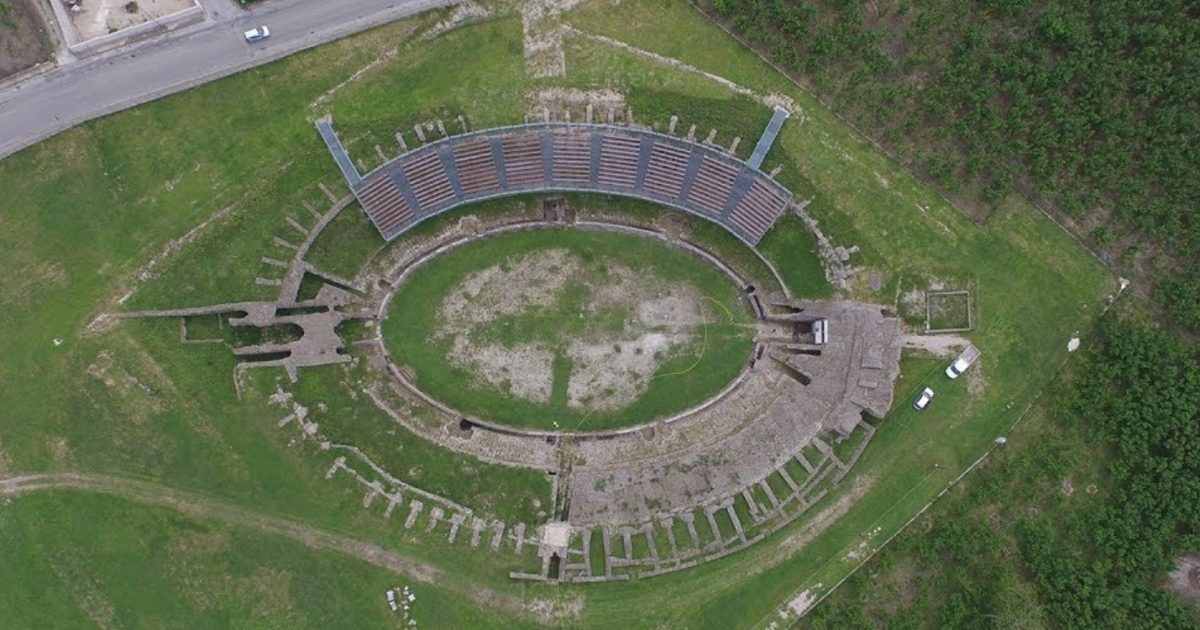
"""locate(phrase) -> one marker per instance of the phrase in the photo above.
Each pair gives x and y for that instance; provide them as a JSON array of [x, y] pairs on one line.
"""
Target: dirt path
[[937, 345], [203, 506]]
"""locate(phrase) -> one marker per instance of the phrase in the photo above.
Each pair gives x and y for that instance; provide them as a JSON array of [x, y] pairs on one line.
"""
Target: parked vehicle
[[922, 401], [963, 362], [257, 34]]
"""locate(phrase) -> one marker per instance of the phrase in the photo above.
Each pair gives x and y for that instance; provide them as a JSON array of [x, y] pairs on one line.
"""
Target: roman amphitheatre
[[582, 329]]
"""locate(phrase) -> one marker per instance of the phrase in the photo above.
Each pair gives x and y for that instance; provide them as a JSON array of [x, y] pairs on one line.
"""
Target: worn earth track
[[198, 505]]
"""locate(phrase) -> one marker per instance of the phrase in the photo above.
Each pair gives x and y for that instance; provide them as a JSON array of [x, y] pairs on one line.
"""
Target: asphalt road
[[75, 92]]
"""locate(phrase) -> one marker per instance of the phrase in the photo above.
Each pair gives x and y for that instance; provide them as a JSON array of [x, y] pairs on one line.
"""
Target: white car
[[957, 368], [922, 401], [964, 361], [257, 34]]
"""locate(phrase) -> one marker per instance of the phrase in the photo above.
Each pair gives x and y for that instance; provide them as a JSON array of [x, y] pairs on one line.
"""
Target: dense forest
[[1089, 108], [1075, 525]]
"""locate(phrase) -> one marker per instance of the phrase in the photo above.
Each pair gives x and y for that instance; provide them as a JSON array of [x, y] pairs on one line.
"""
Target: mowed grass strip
[[718, 352]]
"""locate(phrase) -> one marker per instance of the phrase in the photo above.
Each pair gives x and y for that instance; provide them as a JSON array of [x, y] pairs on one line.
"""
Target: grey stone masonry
[[827, 451], [497, 535], [805, 463], [297, 226], [373, 490], [751, 503], [477, 526], [668, 526], [712, 524], [689, 519], [737, 523], [435, 517], [769, 492], [414, 512], [606, 538], [518, 534], [328, 193], [337, 464], [456, 522], [587, 555], [282, 243], [393, 500], [648, 531], [787, 478]]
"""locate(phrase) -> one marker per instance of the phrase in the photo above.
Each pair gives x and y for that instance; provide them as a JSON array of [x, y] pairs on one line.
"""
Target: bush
[[1181, 297]]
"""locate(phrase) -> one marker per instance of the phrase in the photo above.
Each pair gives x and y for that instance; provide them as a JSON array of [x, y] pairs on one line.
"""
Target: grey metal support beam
[[334, 144], [597, 148], [690, 177], [401, 182], [643, 162], [546, 140], [745, 178], [498, 156], [451, 171], [768, 137]]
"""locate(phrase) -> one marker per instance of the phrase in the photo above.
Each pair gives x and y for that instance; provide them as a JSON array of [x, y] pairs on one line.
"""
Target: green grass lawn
[[83, 212], [716, 354], [153, 566]]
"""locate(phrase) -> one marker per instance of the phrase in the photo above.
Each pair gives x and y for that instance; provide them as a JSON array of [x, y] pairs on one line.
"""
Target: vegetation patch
[[948, 311], [1074, 523], [23, 41], [1086, 108]]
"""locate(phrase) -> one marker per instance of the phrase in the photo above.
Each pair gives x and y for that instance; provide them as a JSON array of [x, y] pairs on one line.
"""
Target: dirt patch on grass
[[83, 589], [542, 29], [270, 592], [23, 39], [561, 102], [525, 370], [5, 462], [1185, 579], [557, 610], [60, 451], [610, 375], [937, 345], [604, 328]]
